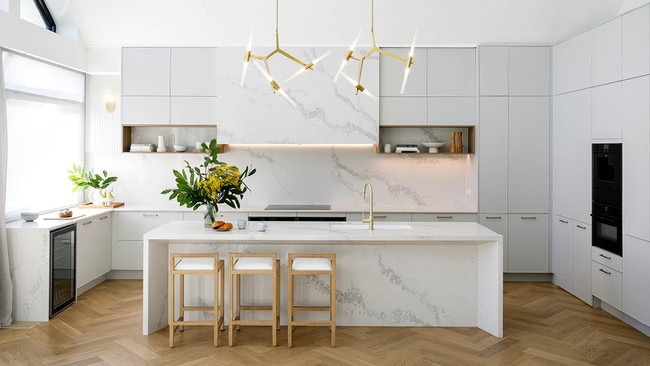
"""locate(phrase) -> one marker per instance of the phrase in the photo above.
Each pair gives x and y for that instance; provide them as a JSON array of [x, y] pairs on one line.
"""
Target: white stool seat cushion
[[253, 263], [311, 264], [195, 264]]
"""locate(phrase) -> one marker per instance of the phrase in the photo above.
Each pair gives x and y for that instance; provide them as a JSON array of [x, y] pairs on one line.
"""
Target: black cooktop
[[297, 207]]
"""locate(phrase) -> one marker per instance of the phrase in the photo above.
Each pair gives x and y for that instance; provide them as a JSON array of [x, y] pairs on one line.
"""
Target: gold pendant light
[[266, 70], [361, 59]]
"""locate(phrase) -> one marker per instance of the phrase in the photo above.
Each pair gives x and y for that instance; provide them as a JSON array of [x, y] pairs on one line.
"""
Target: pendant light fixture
[[408, 61], [266, 70]]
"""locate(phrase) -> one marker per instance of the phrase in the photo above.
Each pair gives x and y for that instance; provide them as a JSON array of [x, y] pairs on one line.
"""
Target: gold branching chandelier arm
[[374, 49], [277, 50]]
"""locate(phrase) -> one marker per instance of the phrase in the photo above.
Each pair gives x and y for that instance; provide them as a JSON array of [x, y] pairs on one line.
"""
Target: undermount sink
[[378, 226]]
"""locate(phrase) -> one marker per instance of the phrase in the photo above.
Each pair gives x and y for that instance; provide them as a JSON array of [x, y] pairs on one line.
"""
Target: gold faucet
[[371, 218]]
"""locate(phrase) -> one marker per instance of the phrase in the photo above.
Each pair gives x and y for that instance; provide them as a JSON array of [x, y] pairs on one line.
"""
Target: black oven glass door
[[62, 268], [607, 166], [607, 234]]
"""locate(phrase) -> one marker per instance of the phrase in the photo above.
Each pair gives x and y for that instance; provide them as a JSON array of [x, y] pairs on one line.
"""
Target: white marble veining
[[433, 274]]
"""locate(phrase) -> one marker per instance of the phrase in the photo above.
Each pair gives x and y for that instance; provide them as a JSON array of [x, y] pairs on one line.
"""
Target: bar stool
[[312, 264], [194, 264], [253, 264]]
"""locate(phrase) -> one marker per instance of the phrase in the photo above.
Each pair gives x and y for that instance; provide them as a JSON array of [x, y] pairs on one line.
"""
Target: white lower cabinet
[[130, 227], [93, 248], [528, 244], [582, 276], [607, 277], [499, 224], [562, 253], [636, 279]]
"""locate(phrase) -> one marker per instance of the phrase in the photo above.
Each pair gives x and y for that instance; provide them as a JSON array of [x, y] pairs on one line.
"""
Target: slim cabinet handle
[[87, 223], [445, 217], [529, 217], [150, 215], [493, 217], [379, 216], [581, 227], [606, 257], [563, 221], [103, 217], [605, 272]]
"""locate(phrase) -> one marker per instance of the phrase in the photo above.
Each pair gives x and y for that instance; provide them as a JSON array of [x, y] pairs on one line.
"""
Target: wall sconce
[[111, 100]]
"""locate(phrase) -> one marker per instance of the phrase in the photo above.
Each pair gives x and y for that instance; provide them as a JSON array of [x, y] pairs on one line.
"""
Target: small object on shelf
[[180, 148], [433, 146], [29, 216], [407, 148], [161, 144], [452, 143], [387, 148], [142, 148], [459, 145]]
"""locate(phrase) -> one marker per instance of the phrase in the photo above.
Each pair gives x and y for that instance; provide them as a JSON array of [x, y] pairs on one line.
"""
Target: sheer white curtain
[[6, 288]]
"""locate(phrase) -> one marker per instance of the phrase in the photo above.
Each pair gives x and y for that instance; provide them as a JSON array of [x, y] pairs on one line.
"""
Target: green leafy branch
[[83, 178]]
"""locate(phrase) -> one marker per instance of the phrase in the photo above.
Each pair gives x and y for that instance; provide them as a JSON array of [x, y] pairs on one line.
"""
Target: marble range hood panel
[[326, 112]]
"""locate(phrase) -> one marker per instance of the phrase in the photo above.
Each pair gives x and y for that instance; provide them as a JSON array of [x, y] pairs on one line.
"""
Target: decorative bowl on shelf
[[433, 146], [29, 216], [180, 148]]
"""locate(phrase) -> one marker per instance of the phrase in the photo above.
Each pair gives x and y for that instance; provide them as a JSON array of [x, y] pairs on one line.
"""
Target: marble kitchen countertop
[[78, 214]]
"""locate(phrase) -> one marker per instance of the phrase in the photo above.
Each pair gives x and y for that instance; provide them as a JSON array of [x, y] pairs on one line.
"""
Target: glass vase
[[211, 214]]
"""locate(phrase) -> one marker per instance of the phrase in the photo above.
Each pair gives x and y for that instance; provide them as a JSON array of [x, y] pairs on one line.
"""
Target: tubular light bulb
[[275, 85], [247, 57], [309, 65], [347, 56], [359, 87], [409, 62]]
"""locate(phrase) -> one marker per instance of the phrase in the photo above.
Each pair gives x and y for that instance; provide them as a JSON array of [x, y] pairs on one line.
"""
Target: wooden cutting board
[[91, 205], [63, 218]]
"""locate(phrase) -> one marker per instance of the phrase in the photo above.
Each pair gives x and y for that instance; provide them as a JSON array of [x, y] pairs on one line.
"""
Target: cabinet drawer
[[444, 217], [607, 284], [225, 216], [609, 259], [381, 216], [132, 225]]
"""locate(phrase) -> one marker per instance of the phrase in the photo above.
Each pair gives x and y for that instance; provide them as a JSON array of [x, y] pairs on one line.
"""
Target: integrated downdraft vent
[[45, 15]]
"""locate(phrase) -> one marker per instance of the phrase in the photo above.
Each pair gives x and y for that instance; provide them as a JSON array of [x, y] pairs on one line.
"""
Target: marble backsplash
[[305, 174]]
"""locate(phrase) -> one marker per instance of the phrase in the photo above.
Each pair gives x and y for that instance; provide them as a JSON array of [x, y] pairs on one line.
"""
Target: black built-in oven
[[607, 197]]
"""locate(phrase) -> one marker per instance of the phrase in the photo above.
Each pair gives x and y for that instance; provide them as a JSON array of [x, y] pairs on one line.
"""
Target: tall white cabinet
[[514, 121]]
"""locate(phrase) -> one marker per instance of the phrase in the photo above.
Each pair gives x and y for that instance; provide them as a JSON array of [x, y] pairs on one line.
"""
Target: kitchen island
[[400, 274]]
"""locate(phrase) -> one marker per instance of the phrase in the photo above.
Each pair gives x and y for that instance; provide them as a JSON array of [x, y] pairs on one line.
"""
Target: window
[[45, 129]]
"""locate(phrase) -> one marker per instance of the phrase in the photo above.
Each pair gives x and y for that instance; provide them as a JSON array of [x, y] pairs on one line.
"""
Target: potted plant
[[211, 183], [83, 178]]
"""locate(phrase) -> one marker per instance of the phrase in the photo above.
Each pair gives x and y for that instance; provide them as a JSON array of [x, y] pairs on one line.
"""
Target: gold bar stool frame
[[182, 264], [312, 264], [253, 264]]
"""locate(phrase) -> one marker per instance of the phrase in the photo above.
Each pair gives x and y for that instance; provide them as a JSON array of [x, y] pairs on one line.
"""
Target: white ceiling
[[115, 23]]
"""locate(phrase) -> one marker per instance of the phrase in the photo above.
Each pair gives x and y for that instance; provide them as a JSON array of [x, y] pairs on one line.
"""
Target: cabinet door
[[562, 253], [145, 110], [636, 157], [402, 111], [391, 73], [582, 261], [636, 278], [193, 72], [145, 71], [129, 255], [529, 71], [528, 245], [563, 131], [451, 72], [102, 242], [636, 42], [85, 252], [607, 284], [606, 111], [493, 70], [499, 224], [528, 155], [582, 61], [451, 111], [193, 111], [606, 55], [563, 67], [579, 139], [493, 155]]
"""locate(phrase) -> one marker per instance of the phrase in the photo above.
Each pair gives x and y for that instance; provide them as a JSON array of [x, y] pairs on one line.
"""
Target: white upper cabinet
[[636, 157], [452, 111], [145, 110], [563, 67], [636, 42], [606, 111], [606, 53], [582, 61], [145, 71], [579, 139], [493, 70], [529, 71], [528, 155], [451, 72], [391, 73], [562, 151], [493, 155], [193, 111], [402, 111], [194, 72]]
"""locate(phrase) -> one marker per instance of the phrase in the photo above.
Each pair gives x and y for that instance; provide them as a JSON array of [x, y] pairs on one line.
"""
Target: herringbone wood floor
[[543, 325]]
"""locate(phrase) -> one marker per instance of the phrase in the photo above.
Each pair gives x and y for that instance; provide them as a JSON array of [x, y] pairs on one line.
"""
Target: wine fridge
[[62, 268]]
